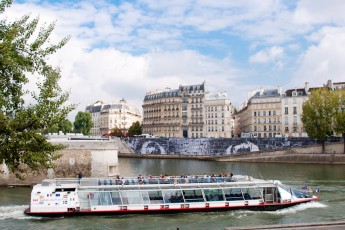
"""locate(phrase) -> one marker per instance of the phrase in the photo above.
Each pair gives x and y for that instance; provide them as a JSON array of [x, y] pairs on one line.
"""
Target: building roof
[[165, 94], [190, 88], [263, 93]]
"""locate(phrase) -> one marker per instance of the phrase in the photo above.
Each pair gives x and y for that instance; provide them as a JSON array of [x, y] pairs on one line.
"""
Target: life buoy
[[90, 195]]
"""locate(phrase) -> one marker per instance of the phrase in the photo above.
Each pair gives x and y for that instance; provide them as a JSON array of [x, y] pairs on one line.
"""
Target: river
[[330, 179]]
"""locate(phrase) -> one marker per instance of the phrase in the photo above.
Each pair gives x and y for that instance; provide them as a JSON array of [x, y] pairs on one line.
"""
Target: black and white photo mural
[[212, 146]]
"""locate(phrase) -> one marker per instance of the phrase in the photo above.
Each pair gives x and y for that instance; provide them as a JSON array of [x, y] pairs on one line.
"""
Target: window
[[286, 110], [294, 110]]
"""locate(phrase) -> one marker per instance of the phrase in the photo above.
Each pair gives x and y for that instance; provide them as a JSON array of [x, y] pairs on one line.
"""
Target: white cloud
[[324, 60], [267, 55], [320, 11], [126, 49]]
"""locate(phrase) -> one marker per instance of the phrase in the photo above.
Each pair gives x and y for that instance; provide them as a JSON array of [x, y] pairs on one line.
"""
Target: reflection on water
[[329, 178]]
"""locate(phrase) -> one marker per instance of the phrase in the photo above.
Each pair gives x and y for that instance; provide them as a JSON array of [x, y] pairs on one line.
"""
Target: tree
[[339, 117], [318, 112], [116, 132], [135, 129], [83, 123], [65, 126], [23, 54]]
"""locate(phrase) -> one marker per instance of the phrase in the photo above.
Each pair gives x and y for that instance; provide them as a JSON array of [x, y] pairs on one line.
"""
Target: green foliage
[[135, 129], [339, 117], [83, 123], [318, 113], [23, 55], [116, 132], [65, 126]]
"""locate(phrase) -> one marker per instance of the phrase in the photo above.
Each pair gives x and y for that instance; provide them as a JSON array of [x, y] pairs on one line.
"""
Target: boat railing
[[141, 180]]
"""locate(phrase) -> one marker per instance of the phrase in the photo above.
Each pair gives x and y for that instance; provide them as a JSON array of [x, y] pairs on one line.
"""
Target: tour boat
[[90, 196]]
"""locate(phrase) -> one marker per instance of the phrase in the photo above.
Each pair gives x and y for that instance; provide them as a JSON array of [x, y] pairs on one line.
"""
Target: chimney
[[261, 91], [306, 87], [279, 90]]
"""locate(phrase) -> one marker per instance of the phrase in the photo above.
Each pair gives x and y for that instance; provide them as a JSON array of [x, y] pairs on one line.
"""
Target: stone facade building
[[182, 113], [292, 102], [261, 114], [219, 120], [106, 116], [271, 113]]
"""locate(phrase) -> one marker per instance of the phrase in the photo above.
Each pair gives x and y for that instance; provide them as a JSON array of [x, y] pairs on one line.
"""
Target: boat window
[[64, 189], [172, 196], [233, 194], [129, 188], [105, 198], [131, 197], [214, 194], [170, 187], [300, 194], [115, 196], [193, 195], [155, 197], [146, 198], [252, 193]]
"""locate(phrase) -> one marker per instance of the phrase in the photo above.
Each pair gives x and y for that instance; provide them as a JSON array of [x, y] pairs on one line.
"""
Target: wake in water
[[293, 209], [14, 212], [300, 207]]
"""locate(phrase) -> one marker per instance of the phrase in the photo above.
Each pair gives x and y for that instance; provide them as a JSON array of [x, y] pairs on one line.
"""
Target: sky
[[123, 49]]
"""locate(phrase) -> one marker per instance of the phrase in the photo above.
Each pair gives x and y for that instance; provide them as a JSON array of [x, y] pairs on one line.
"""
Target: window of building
[[286, 129], [286, 110], [254, 114], [294, 110]]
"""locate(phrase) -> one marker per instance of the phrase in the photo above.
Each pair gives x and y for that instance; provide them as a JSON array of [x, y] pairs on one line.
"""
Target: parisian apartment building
[[189, 111], [272, 112], [107, 116]]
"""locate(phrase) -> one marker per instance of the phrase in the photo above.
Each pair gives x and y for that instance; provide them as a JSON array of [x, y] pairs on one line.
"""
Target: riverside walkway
[[336, 225]]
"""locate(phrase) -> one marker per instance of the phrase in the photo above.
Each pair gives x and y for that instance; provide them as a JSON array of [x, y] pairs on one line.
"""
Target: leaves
[[83, 123], [21, 54], [321, 114], [135, 129]]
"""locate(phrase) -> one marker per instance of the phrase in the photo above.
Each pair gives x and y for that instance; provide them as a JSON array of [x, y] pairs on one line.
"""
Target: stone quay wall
[[92, 158], [213, 146], [292, 150]]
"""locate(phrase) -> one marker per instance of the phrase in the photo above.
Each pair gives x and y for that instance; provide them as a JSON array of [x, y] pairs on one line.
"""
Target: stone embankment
[[92, 158], [311, 154]]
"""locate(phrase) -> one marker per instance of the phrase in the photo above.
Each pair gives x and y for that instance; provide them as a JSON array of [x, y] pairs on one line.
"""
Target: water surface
[[329, 178]]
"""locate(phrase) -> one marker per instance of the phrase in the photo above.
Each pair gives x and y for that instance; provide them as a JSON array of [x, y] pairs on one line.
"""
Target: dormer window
[[294, 93]]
